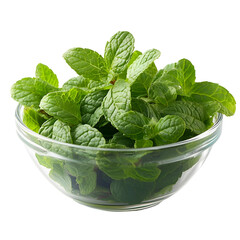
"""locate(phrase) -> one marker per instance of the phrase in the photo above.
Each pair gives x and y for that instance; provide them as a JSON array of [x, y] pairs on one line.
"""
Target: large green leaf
[[87, 183], [30, 91], [207, 91], [192, 113], [63, 105], [87, 63], [118, 52], [169, 129]]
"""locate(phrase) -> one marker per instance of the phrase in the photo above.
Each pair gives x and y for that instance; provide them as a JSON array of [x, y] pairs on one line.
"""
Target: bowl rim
[[201, 136]]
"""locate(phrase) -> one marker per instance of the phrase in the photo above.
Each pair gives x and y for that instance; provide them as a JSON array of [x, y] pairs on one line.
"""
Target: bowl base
[[121, 208]]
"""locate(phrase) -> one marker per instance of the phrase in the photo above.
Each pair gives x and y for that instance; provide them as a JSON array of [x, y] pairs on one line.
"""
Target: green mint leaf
[[141, 85], [46, 74], [30, 91], [130, 190], [187, 75], [87, 63], [86, 135], [145, 174], [61, 132], [132, 124], [119, 138], [47, 161], [63, 105], [76, 82], [214, 92], [170, 173], [90, 107], [47, 128], [162, 93], [141, 64], [87, 183], [192, 113], [118, 52], [32, 119], [143, 143], [169, 129], [118, 98], [145, 108], [112, 145], [60, 176]]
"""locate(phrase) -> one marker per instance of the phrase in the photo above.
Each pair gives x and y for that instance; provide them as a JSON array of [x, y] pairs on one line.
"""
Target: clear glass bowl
[[118, 179]]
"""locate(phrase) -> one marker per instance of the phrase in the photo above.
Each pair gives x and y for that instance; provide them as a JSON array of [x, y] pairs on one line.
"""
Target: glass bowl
[[118, 179]]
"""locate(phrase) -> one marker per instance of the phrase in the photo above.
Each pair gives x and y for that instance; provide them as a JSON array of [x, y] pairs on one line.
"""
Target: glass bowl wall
[[118, 179]]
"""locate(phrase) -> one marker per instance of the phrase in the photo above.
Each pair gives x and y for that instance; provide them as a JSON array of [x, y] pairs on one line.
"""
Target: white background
[[205, 32]]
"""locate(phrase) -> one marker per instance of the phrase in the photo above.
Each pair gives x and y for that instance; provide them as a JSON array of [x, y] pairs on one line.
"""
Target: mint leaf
[[63, 105], [118, 98], [143, 143], [47, 128], [87, 183], [58, 174], [130, 190], [187, 75], [61, 132], [46, 74], [141, 85], [76, 82], [87, 63], [147, 109], [214, 92], [47, 161], [32, 119], [132, 124], [90, 107], [162, 93], [118, 52], [192, 113], [141, 64], [30, 91], [119, 138], [144, 173], [86, 135], [169, 129]]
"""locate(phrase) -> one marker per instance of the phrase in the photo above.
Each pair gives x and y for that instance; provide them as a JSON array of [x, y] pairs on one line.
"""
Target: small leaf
[[85, 135], [119, 138], [61, 132], [46, 74], [58, 174], [162, 93], [63, 105], [132, 124], [169, 129], [141, 64], [118, 98], [87, 63], [76, 82], [90, 107], [118, 53], [30, 91], [87, 183], [32, 119], [47, 128], [143, 143]]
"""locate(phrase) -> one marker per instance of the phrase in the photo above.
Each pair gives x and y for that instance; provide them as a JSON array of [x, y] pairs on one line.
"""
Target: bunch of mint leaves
[[118, 101]]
